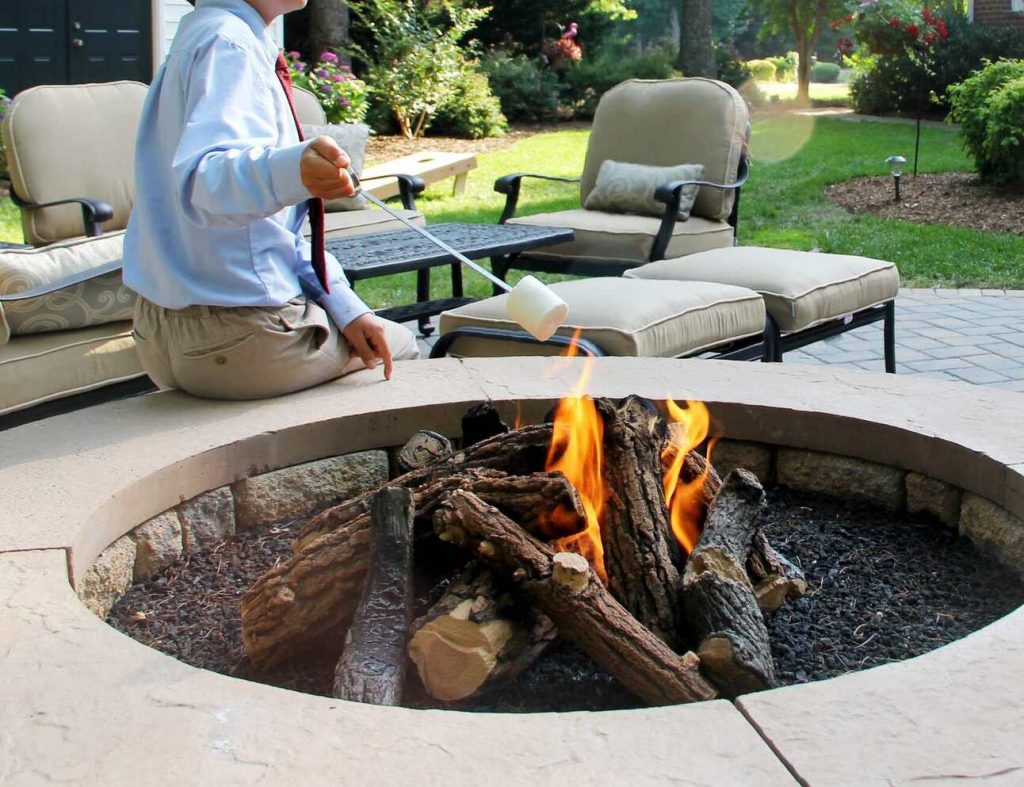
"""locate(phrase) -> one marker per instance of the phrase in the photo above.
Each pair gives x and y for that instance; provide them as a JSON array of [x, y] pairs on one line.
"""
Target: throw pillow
[[93, 302], [352, 138], [623, 187]]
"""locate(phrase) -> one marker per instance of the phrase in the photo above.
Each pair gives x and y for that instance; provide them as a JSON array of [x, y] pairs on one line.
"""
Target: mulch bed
[[883, 588], [957, 199]]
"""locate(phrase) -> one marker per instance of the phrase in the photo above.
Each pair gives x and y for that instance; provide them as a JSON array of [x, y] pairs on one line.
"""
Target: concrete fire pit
[[81, 703]]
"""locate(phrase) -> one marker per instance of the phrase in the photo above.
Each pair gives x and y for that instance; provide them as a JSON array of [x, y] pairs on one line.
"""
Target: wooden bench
[[430, 165]]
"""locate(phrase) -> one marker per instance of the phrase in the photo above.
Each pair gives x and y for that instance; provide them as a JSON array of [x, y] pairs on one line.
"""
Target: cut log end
[[570, 570], [454, 657], [718, 657]]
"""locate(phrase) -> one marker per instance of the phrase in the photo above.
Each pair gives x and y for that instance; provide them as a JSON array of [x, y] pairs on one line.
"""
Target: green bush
[[785, 67], [989, 106], [585, 82], [472, 110], [762, 70], [731, 68], [526, 91], [825, 72]]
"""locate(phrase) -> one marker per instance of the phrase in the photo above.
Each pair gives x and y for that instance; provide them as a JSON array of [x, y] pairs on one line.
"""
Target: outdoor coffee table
[[384, 253]]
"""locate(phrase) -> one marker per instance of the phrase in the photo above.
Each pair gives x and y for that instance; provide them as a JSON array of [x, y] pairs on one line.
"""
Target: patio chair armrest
[[671, 194], [94, 211], [408, 187], [509, 185], [65, 281]]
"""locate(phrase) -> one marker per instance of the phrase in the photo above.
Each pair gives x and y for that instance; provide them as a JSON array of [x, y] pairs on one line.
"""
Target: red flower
[[943, 30], [927, 14], [835, 24], [894, 22], [849, 18], [913, 31], [930, 38], [845, 46]]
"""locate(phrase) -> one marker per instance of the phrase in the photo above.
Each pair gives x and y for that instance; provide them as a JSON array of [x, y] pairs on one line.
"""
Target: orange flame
[[688, 428], [577, 451]]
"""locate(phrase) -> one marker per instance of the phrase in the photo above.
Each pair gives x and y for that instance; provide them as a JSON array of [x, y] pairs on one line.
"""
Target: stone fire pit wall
[[82, 703]]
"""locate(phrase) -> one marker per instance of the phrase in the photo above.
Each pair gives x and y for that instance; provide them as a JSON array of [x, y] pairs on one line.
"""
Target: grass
[[831, 92], [795, 158]]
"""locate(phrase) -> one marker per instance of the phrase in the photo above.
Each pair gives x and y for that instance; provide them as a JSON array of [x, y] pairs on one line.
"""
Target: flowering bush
[[564, 51], [341, 94], [889, 27]]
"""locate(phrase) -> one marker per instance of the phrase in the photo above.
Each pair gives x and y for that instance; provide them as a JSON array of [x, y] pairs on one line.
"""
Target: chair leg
[[889, 337], [423, 295], [499, 267], [772, 350]]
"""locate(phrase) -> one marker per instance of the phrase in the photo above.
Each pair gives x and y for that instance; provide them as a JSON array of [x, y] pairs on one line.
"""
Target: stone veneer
[[79, 698]]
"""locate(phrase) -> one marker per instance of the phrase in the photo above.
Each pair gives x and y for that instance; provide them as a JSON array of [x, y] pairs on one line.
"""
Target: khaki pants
[[223, 352]]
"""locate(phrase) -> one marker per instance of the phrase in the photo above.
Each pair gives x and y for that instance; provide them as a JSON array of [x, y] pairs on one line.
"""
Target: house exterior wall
[[166, 16], [999, 13]]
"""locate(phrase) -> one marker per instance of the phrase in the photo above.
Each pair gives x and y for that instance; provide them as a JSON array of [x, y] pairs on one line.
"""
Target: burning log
[[717, 595], [584, 612], [372, 665], [517, 453], [422, 449], [480, 422], [640, 552], [776, 577], [476, 637], [309, 598]]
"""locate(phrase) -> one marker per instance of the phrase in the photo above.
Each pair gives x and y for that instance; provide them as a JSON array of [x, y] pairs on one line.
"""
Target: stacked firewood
[[670, 627]]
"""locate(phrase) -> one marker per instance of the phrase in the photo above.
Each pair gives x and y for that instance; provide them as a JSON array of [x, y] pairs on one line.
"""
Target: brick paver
[[972, 335]]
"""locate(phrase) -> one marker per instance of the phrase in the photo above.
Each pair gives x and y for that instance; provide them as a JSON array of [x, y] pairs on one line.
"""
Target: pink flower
[[329, 57]]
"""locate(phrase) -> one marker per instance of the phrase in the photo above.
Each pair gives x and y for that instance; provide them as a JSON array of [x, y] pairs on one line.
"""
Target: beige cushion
[[352, 138], [35, 369], [93, 302], [800, 288], [307, 107], [73, 141], [667, 122], [618, 236], [625, 317], [623, 187], [356, 222]]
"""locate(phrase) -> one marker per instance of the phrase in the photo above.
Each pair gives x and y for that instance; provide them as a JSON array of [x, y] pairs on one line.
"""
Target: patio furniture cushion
[[35, 369], [623, 187], [352, 138], [625, 317], [92, 302], [615, 237], [800, 288]]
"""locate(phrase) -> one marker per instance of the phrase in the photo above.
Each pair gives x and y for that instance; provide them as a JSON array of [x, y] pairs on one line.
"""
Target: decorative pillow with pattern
[[92, 302], [352, 138], [623, 187]]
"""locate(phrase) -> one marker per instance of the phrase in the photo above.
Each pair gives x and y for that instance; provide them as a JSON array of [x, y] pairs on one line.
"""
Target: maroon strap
[[316, 205]]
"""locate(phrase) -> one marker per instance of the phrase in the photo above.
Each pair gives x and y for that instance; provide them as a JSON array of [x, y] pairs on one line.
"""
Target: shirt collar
[[250, 16]]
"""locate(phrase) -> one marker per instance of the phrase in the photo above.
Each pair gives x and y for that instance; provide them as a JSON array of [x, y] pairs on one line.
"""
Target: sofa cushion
[[626, 317], [35, 369], [356, 222], [91, 302], [352, 138], [623, 187], [617, 237], [800, 288]]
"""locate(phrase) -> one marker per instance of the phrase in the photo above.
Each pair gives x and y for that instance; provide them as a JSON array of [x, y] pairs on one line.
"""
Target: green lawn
[[795, 158], [838, 92]]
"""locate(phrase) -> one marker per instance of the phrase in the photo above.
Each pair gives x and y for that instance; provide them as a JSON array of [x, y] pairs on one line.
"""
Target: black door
[[62, 42]]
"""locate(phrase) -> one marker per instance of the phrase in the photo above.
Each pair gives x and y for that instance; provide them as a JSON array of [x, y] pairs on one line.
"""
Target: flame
[[688, 428], [577, 452]]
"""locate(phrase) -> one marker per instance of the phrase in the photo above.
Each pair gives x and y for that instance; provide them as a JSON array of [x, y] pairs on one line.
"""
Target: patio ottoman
[[622, 317], [808, 295]]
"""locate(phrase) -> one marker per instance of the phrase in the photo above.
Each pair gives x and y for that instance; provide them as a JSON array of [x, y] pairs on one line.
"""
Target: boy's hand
[[365, 337], [323, 169]]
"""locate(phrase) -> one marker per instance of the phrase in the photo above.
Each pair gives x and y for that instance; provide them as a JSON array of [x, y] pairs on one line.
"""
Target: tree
[[696, 50], [322, 26], [805, 19]]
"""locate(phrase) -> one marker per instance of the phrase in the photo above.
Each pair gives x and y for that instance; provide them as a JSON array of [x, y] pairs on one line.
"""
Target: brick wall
[[997, 13]]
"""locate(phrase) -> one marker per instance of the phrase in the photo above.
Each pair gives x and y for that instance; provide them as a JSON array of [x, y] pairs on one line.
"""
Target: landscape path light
[[896, 169]]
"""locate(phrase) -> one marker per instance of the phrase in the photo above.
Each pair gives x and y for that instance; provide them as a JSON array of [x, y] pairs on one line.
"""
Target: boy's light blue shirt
[[219, 203]]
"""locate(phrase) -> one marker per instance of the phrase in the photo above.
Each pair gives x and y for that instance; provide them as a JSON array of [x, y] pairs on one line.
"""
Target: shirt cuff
[[286, 174], [342, 306]]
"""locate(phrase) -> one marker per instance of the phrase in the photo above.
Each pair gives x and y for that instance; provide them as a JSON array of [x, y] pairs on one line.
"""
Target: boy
[[234, 303]]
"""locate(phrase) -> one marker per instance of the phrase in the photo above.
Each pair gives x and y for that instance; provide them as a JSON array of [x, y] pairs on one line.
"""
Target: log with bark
[[478, 636], [576, 600], [718, 598], [308, 600], [641, 556], [372, 664], [775, 578]]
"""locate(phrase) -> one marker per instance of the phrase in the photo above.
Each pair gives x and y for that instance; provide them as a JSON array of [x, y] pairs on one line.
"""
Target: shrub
[[825, 72], [584, 83], [989, 106], [342, 96], [785, 66], [5, 102], [472, 110], [416, 63], [731, 69], [526, 91], [762, 70]]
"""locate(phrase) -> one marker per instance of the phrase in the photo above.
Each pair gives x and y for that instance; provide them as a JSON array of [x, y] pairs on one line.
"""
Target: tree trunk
[[372, 664], [576, 600], [322, 26], [696, 48]]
